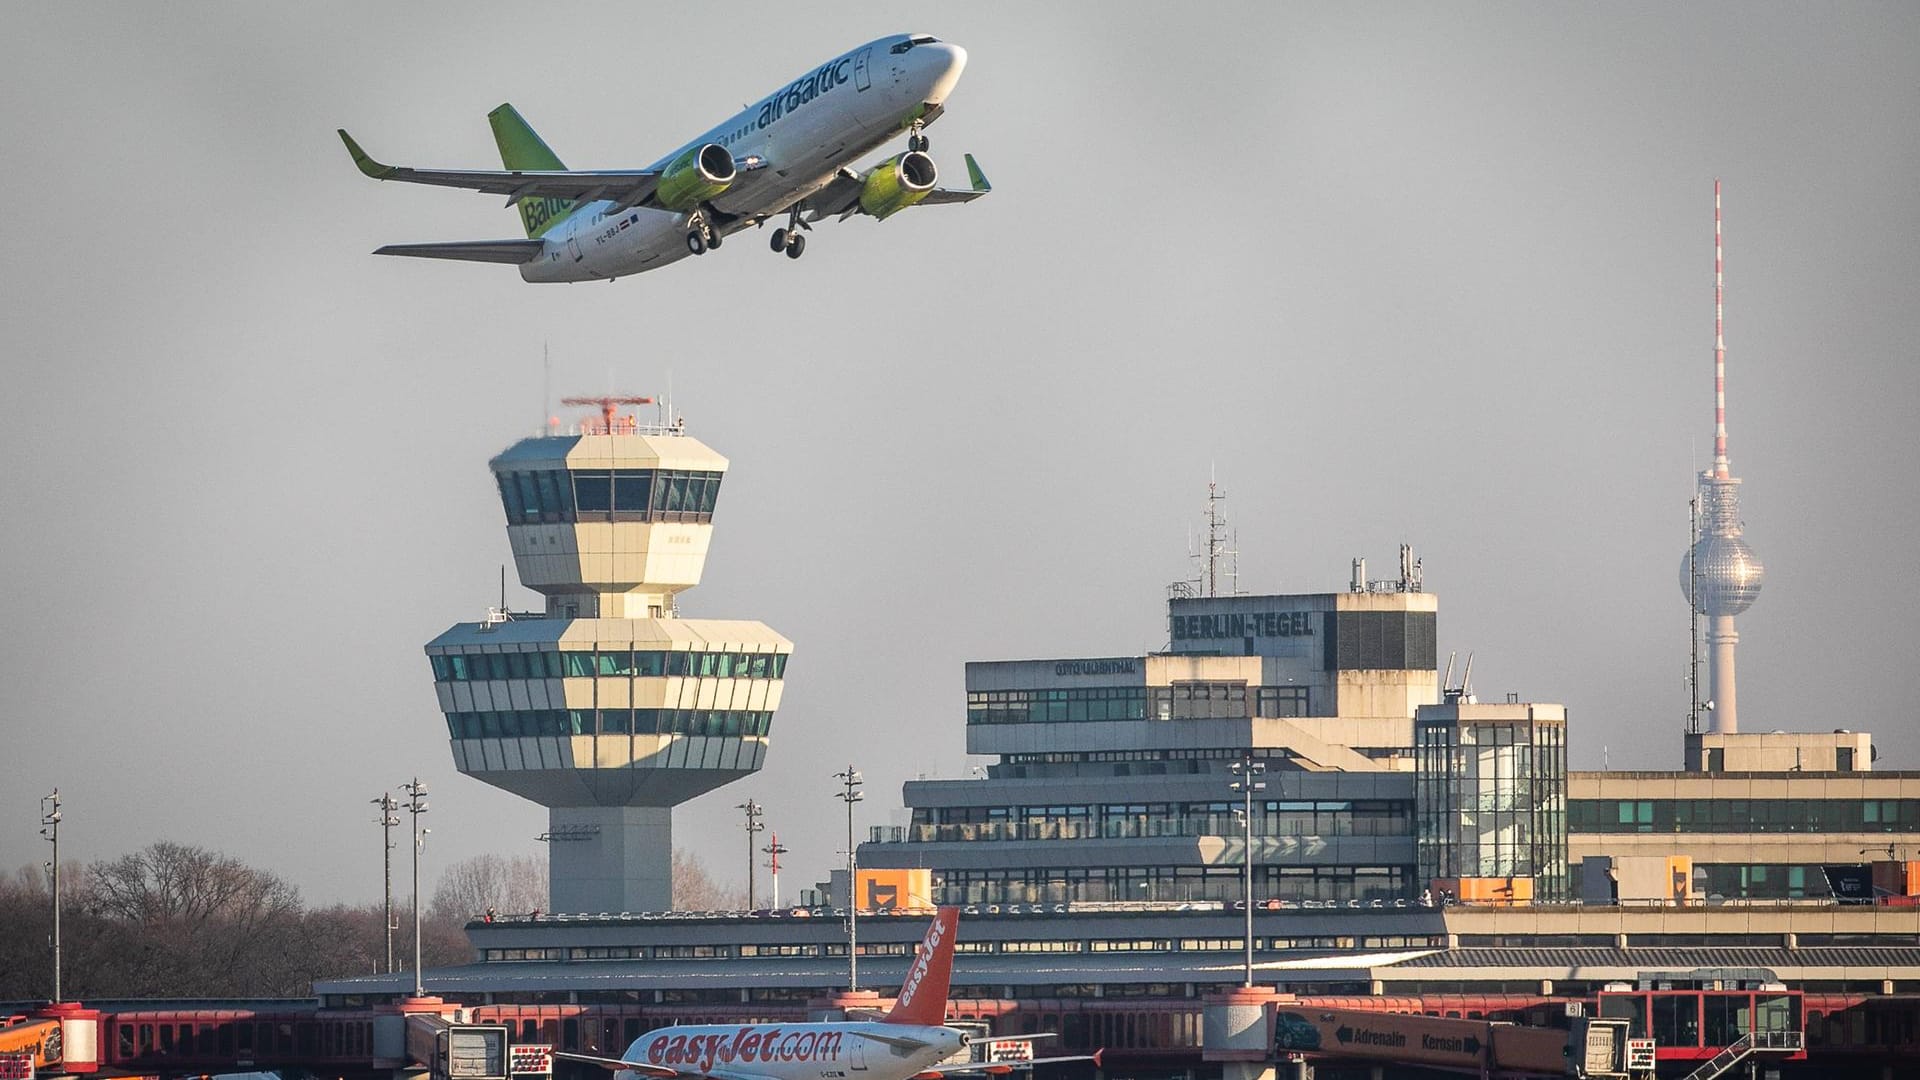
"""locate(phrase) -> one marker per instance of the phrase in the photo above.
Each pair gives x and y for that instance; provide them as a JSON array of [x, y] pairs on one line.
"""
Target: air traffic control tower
[[607, 708]]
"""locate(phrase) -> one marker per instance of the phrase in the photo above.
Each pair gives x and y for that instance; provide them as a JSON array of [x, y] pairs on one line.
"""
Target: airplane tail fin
[[923, 996], [523, 150]]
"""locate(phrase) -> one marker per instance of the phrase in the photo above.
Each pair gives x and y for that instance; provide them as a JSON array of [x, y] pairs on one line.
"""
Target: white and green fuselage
[[805, 132]]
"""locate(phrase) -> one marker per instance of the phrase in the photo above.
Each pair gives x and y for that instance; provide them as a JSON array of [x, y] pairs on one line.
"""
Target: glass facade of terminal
[[561, 495], [1491, 799], [607, 662], [1743, 815], [1181, 701], [1074, 884], [1126, 821]]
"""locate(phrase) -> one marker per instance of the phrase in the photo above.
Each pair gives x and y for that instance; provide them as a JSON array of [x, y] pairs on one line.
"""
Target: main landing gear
[[917, 138], [701, 234], [787, 238]]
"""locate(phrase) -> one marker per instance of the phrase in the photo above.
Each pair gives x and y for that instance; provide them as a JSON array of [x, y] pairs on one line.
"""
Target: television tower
[[1724, 576]]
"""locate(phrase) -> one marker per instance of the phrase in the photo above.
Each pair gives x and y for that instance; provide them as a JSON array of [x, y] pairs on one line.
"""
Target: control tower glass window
[[551, 496]]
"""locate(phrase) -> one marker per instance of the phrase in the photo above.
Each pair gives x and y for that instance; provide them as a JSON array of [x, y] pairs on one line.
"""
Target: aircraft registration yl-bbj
[[908, 1043], [791, 153]]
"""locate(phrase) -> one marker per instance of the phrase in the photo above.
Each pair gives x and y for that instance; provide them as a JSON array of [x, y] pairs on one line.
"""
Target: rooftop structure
[[607, 707]]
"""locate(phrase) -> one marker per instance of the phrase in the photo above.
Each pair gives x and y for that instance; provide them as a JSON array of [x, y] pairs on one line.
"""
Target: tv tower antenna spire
[[1719, 347]]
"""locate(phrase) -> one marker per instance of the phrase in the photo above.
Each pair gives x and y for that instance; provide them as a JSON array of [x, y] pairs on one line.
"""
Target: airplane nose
[[949, 60]]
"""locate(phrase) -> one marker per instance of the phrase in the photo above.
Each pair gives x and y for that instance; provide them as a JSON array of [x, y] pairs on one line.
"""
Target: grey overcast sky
[[1429, 273]]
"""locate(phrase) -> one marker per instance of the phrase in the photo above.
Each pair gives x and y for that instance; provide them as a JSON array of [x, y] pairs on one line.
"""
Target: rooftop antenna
[[611, 423], [1222, 555], [1446, 681]]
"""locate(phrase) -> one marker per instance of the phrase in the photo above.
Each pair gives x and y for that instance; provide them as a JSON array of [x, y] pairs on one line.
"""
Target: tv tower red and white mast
[[1720, 570]]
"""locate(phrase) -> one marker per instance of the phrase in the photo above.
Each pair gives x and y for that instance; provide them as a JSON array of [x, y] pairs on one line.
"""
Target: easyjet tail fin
[[923, 996], [523, 150]]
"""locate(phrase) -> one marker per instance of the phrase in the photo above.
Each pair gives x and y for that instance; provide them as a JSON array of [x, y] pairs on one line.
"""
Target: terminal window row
[[611, 663], [1182, 701], [1134, 820], [535, 723], [562, 495], [1057, 885], [1010, 948], [1743, 815]]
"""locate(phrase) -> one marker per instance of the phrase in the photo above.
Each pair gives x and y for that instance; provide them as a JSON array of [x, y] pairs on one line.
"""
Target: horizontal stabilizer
[[513, 252]]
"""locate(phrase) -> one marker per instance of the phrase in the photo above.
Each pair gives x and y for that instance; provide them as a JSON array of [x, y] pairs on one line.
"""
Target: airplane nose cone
[[948, 61]]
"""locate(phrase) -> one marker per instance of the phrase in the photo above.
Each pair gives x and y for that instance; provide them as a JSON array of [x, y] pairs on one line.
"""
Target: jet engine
[[897, 183], [695, 176]]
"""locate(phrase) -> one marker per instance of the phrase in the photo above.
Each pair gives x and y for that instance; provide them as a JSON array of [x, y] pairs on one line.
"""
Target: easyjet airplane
[[792, 152], [908, 1043]]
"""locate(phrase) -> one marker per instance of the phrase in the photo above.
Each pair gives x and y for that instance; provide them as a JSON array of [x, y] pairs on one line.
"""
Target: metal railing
[[1753, 1042]]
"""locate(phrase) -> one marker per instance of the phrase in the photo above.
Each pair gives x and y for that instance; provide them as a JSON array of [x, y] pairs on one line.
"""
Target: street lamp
[[1246, 781], [387, 820], [50, 828], [416, 805], [754, 811], [850, 781]]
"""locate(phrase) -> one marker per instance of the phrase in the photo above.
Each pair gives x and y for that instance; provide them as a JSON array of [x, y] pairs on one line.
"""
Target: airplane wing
[[641, 1067], [975, 178], [841, 195], [492, 251], [627, 187], [1000, 1068]]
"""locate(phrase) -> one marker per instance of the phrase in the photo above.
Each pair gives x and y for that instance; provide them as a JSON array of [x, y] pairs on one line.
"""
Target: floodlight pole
[[753, 811], [416, 805], [50, 828], [1246, 772], [850, 781], [387, 820]]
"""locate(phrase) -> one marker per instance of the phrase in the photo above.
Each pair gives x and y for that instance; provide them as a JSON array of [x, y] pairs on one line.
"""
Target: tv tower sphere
[[1726, 573]]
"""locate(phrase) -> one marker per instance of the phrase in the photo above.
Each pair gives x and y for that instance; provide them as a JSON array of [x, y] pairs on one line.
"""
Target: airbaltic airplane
[[907, 1044], [791, 152]]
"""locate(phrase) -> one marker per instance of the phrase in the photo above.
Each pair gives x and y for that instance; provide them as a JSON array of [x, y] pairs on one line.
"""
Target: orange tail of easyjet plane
[[923, 996]]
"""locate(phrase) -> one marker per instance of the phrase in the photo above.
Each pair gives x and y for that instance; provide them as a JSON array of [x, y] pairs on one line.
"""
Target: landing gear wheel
[[779, 241], [796, 247], [696, 243], [919, 143], [713, 238]]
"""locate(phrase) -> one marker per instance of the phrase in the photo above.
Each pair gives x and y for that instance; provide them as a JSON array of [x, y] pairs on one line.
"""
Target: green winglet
[[978, 178], [366, 164]]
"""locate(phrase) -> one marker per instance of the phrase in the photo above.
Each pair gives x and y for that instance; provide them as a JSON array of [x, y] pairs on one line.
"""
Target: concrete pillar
[[614, 858], [1233, 1033], [1721, 640]]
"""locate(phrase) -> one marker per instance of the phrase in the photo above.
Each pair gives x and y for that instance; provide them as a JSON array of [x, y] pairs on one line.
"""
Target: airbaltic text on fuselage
[[748, 1044], [1238, 624], [803, 90]]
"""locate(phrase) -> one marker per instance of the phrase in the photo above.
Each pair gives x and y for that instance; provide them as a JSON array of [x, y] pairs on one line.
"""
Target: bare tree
[[182, 918], [695, 890], [514, 884]]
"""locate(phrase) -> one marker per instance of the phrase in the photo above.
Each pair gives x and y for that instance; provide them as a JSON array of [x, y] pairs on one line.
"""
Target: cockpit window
[[917, 39]]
